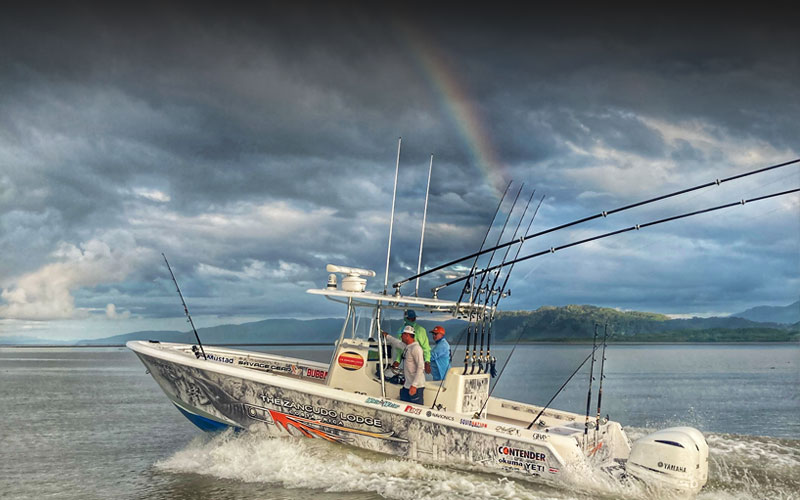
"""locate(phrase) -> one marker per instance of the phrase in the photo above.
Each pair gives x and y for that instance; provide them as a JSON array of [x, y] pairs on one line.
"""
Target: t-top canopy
[[371, 299]]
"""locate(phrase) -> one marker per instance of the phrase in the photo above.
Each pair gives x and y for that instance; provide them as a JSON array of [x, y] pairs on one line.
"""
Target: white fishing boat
[[352, 400], [349, 401]]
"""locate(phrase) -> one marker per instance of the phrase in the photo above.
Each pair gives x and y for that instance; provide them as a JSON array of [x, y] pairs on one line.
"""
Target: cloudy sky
[[253, 147]]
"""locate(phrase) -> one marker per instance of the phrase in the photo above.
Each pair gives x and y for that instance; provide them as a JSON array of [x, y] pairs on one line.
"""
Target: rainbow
[[457, 105]]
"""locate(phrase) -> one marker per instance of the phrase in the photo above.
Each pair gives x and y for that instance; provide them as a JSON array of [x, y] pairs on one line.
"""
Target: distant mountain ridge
[[576, 323], [268, 331], [772, 314], [548, 323], [23, 340]]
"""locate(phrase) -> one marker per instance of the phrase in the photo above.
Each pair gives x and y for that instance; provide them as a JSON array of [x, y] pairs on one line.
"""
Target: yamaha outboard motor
[[674, 459]]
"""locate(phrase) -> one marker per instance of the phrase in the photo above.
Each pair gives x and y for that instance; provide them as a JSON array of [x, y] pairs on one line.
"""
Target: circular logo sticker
[[351, 361]]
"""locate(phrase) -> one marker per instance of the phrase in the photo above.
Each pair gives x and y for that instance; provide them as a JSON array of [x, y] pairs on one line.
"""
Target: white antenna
[[424, 216], [391, 220]]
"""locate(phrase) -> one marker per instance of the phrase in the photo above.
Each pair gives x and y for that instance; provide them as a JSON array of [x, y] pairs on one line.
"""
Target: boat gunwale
[[304, 386]]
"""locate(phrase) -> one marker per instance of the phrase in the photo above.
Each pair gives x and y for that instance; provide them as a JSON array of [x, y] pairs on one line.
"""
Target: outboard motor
[[674, 459]]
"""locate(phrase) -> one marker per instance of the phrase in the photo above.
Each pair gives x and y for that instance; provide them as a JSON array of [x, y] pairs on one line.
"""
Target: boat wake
[[742, 467]]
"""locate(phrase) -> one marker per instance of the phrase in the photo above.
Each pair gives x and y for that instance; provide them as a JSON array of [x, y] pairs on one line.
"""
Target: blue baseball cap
[[410, 314]]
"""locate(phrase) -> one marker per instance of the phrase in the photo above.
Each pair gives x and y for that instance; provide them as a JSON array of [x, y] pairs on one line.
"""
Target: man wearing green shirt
[[420, 336]]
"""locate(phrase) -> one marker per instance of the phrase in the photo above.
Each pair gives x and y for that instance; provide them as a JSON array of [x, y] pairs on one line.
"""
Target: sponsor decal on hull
[[518, 453], [522, 459], [472, 423], [314, 373], [259, 365], [411, 409], [220, 359], [528, 467], [433, 414], [350, 360], [328, 428], [381, 402], [511, 431], [311, 411]]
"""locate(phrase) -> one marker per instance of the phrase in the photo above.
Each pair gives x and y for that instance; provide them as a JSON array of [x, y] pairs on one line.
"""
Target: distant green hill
[[269, 331], [576, 323], [573, 323]]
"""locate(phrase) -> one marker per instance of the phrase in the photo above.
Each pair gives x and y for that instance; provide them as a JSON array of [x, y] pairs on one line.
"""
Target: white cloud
[[254, 270], [111, 313], [152, 195], [624, 171], [46, 293]]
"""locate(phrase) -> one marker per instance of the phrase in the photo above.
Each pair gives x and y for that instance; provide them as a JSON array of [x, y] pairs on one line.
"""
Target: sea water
[[89, 423]]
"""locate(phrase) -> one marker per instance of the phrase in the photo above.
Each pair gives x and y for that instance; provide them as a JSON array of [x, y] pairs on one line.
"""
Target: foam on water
[[741, 467], [747, 467], [316, 464]]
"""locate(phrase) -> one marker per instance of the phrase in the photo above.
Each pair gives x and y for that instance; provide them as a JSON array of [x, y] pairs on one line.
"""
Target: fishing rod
[[503, 369], [485, 236], [502, 291], [185, 309], [620, 231], [472, 299], [604, 213], [488, 292], [489, 298], [600, 388], [589, 396], [475, 297], [472, 271], [560, 389]]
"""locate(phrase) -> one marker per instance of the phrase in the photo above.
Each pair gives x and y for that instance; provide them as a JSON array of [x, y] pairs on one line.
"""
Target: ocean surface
[[90, 424]]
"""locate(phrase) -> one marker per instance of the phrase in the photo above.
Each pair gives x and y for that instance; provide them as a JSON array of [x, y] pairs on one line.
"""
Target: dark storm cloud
[[258, 144]]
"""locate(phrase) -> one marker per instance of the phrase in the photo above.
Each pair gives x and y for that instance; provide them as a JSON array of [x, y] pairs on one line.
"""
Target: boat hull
[[282, 397], [215, 399]]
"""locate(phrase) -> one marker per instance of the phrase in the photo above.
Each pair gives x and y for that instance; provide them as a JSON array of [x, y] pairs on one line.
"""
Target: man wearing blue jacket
[[440, 355]]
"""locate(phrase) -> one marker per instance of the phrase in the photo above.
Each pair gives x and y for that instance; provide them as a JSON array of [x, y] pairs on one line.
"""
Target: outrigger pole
[[620, 231], [716, 182], [185, 309], [391, 218], [422, 237]]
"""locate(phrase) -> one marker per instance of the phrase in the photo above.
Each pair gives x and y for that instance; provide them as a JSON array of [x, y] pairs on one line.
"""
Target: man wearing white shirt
[[413, 365]]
